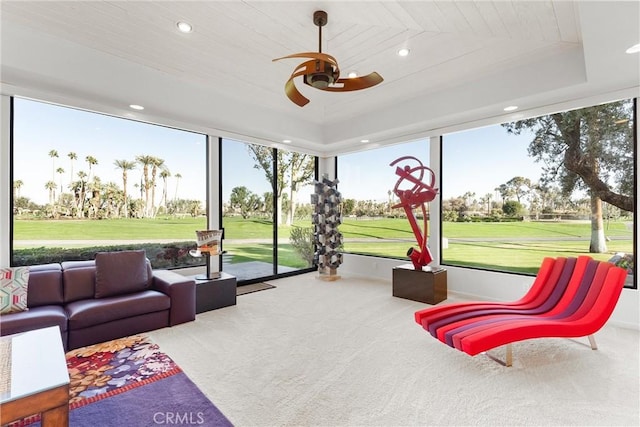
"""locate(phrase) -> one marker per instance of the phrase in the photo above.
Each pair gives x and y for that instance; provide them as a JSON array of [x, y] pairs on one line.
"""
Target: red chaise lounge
[[569, 298]]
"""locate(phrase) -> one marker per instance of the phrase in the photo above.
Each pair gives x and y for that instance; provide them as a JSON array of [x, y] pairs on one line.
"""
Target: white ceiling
[[468, 60]]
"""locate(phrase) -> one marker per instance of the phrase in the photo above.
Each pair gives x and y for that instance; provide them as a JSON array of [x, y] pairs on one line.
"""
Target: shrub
[[301, 239]]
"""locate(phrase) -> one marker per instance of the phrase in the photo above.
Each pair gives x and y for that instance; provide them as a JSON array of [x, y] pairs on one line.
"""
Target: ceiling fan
[[322, 72]]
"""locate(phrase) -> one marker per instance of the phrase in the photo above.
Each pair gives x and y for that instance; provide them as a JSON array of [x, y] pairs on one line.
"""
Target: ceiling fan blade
[[313, 55], [294, 94], [356, 83], [290, 88]]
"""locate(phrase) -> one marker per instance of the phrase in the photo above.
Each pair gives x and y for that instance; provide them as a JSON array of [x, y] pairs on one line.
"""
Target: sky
[[40, 128], [468, 164]]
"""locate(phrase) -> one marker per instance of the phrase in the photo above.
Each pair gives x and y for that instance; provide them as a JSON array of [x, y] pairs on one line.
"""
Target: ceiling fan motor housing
[[324, 76]]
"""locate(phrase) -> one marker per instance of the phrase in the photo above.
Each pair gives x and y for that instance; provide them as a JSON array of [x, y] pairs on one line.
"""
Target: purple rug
[[130, 382], [174, 400]]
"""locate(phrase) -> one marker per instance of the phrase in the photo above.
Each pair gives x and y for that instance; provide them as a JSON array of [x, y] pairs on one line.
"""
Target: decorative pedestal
[[428, 286], [328, 274], [215, 293]]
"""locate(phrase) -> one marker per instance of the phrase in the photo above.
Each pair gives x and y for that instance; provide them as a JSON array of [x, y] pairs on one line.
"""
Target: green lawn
[[361, 236]]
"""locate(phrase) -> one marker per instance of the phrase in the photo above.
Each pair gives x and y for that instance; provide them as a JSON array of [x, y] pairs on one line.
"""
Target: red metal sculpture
[[418, 195]]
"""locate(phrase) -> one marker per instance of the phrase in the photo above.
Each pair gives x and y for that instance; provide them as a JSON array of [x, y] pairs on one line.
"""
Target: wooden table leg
[[56, 417]]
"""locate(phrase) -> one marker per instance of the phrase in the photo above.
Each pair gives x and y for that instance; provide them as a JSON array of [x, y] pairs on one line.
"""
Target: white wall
[[484, 285]]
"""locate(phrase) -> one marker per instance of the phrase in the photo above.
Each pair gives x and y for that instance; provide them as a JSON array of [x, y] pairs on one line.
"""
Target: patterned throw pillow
[[13, 289]]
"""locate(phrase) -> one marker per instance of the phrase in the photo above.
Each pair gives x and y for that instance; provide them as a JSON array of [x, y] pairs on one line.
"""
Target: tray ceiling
[[468, 60]]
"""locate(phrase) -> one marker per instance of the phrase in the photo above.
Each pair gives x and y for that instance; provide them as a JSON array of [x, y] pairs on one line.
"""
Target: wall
[[484, 285]]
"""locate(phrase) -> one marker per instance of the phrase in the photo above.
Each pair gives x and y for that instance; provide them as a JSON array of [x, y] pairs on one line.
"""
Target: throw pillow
[[13, 289], [121, 273]]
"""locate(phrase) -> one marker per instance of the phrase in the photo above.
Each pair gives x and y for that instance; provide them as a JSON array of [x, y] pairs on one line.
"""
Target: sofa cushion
[[36, 318], [45, 285], [121, 273], [79, 279], [86, 313], [13, 289]]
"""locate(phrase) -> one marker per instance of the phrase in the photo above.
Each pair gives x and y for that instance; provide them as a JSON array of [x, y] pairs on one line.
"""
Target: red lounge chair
[[572, 298]]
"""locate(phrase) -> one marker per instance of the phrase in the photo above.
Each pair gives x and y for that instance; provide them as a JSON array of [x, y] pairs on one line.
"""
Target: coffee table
[[34, 377]]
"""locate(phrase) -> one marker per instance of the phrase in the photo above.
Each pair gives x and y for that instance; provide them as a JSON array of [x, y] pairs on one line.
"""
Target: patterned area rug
[[109, 378]]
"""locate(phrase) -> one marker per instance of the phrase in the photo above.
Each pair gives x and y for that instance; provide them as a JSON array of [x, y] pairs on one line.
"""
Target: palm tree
[[164, 174], [53, 154], [81, 191], [157, 163], [17, 185], [51, 186], [92, 162], [125, 165], [177, 177], [72, 156], [60, 171], [146, 161]]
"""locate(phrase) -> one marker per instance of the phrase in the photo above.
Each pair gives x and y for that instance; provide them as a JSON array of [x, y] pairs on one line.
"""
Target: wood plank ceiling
[[228, 55]]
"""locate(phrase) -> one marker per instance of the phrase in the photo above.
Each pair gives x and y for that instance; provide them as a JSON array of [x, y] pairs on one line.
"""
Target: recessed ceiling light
[[634, 49], [353, 74], [403, 52], [511, 108], [364, 141], [286, 141], [184, 27], [136, 107]]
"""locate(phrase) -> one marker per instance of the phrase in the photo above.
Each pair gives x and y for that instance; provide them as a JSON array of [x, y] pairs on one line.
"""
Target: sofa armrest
[[181, 290]]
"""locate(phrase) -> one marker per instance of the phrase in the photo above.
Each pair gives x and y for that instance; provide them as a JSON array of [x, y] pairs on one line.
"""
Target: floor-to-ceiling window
[[556, 185], [265, 210], [371, 225], [86, 182]]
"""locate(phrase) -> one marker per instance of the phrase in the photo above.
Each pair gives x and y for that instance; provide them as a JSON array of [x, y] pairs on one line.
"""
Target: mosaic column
[[326, 217]]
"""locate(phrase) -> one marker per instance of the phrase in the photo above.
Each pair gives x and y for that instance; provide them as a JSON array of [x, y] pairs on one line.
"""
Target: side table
[[428, 286], [34, 376], [215, 293]]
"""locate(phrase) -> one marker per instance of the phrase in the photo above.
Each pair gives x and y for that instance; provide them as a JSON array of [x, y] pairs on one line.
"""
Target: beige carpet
[[347, 353]]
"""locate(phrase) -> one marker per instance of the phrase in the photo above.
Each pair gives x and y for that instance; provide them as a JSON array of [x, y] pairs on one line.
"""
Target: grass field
[[508, 246]]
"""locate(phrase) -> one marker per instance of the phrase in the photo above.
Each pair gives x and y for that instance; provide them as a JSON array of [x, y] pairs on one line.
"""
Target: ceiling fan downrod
[[320, 19]]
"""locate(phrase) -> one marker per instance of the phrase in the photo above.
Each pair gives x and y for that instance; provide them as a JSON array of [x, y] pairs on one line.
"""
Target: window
[[515, 193], [86, 182], [371, 226], [266, 210]]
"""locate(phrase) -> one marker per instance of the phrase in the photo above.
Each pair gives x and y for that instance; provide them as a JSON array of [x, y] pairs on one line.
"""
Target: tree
[[54, 155], [60, 171], [72, 156], [519, 187], [590, 149], [125, 166], [92, 161], [512, 208], [301, 170], [294, 170], [51, 186], [146, 161], [164, 174], [17, 185], [177, 177], [155, 164], [244, 200]]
